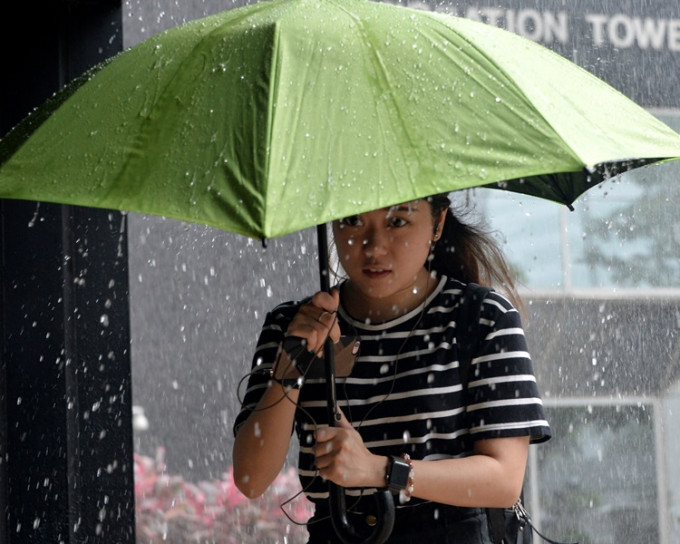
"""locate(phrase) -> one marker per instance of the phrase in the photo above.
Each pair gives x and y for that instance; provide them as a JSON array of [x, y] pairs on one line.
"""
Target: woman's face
[[384, 252]]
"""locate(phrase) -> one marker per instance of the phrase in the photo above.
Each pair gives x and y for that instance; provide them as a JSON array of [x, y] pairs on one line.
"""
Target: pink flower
[[170, 509]]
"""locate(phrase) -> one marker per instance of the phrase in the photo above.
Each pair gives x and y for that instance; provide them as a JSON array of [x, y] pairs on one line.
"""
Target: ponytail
[[469, 253]]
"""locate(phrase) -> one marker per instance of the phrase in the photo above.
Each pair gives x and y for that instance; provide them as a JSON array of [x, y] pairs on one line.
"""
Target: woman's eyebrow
[[408, 208]]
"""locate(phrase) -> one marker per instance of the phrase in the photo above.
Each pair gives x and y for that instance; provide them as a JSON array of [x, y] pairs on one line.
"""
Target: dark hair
[[468, 252]]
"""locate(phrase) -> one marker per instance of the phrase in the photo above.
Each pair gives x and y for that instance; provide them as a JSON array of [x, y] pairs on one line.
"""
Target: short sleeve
[[271, 335], [504, 400]]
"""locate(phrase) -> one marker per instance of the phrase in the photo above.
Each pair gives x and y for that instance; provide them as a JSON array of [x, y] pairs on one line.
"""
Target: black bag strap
[[468, 338], [522, 516], [467, 327]]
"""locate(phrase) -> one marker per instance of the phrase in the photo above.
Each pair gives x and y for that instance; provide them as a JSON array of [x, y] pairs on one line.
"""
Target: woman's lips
[[376, 273]]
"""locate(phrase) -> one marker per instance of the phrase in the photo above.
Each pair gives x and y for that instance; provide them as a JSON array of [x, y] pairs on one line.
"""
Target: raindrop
[[104, 320], [31, 223], [406, 436], [385, 368]]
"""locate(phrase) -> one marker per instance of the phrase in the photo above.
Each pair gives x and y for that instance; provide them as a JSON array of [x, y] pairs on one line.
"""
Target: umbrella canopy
[[285, 114]]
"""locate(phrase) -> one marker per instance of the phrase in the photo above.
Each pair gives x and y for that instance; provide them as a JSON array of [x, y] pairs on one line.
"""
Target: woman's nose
[[375, 243]]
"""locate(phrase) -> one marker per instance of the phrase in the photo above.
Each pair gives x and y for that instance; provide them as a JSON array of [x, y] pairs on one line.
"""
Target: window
[[596, 481], [624, 233]]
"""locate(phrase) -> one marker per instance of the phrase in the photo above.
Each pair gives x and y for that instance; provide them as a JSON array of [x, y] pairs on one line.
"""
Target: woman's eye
[[397, 222], [351, 221]]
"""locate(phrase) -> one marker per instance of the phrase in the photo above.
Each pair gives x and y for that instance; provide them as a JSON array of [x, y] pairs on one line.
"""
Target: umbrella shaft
[[324, 275], [324, 269]]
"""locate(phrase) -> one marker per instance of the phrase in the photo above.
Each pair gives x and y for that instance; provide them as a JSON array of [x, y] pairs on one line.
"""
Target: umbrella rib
[[381, 74], [462, 33]]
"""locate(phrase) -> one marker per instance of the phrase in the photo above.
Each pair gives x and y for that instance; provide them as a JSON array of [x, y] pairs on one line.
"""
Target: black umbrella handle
[[384, 501], [338, 509]]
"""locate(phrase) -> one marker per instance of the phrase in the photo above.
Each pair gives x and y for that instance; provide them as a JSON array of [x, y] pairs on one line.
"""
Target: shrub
[[170, 509]]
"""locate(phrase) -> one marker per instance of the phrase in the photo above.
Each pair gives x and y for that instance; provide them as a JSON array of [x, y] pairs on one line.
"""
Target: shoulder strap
[[468, 337], [467, 326]]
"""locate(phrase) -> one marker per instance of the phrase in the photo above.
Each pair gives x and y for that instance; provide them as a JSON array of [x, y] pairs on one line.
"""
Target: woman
[[403, 402]]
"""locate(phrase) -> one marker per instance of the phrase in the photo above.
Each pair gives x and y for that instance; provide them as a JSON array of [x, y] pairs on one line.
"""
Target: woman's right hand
[[317, 320]]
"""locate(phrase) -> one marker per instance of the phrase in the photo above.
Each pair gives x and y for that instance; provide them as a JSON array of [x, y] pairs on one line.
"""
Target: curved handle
[[344, 529]]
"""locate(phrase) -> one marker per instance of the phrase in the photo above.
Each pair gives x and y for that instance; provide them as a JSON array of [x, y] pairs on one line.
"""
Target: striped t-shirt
[[404, 393]]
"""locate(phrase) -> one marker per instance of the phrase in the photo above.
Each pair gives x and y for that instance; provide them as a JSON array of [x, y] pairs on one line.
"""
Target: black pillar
[[66, 471]]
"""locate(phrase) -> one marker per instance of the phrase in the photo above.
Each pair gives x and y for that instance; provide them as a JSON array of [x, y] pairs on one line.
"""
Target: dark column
[[66, 471]]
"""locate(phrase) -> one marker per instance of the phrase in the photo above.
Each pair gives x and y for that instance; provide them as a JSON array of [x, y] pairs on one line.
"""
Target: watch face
[[398, 474]]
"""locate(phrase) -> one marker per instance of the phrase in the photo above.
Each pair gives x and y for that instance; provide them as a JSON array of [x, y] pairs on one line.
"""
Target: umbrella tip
[[264, 243], [571, 208]]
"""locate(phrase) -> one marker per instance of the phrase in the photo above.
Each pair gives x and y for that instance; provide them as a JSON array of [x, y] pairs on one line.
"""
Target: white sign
[[616, 30], [623, 31]]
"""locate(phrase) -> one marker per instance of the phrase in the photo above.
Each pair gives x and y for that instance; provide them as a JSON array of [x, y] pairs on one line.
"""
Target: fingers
[[317, 320], [326, 433], [343, 420], [328, 304], [329, 443], [340, 454]]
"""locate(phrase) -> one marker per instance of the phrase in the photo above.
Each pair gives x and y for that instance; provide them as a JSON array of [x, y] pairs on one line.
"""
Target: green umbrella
[[287, 114], [281, 115]]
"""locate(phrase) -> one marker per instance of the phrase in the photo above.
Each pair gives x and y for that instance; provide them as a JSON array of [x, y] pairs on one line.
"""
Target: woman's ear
[[439, 226]]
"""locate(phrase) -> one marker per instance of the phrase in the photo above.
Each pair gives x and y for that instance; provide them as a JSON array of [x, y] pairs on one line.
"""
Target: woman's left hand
[[342, 457]]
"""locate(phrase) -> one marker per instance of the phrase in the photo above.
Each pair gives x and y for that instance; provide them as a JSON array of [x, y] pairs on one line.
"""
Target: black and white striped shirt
[[404, 393]]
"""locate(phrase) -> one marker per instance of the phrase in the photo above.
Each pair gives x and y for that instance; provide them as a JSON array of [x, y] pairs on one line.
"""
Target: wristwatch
[[398, 471]]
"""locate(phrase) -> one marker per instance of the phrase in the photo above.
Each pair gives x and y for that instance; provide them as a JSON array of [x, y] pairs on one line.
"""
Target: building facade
[[602, 286]]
